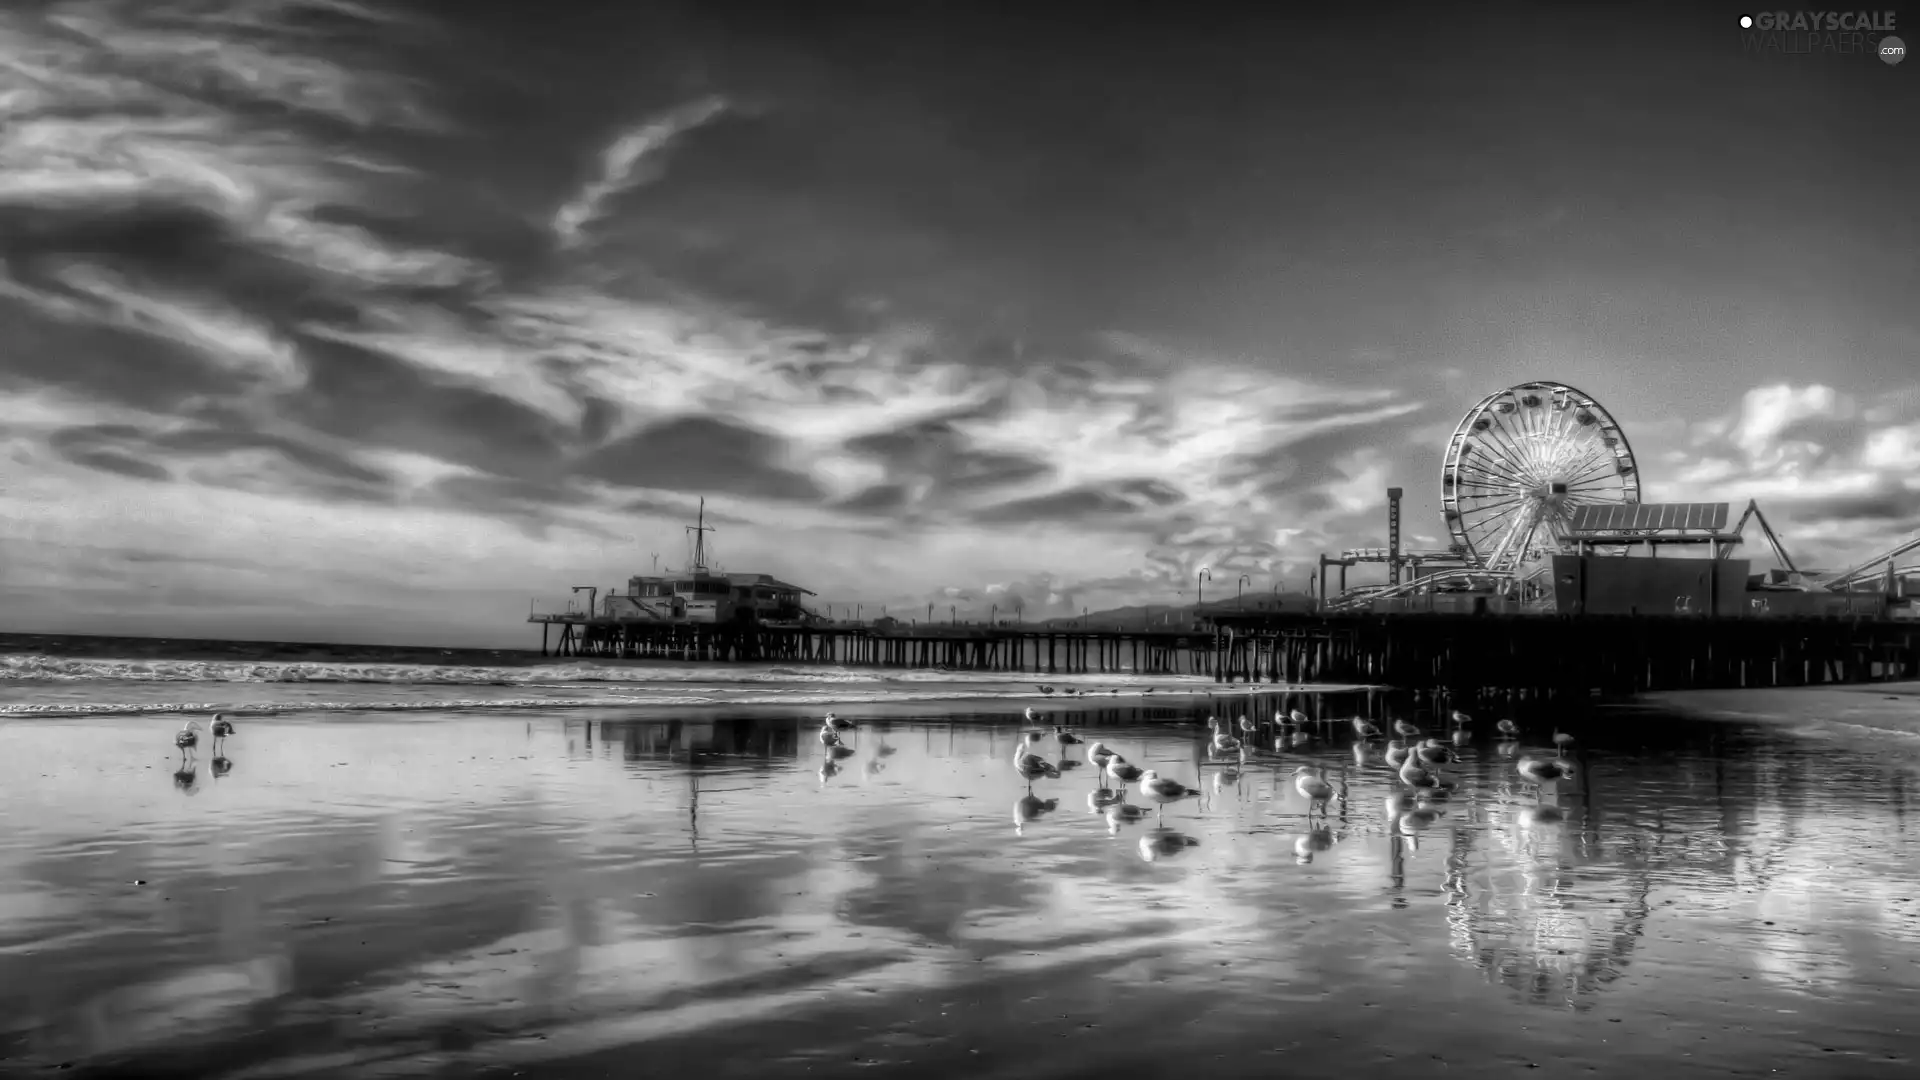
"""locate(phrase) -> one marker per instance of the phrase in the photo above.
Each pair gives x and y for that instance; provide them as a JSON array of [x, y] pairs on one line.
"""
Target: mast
[[700, 531]]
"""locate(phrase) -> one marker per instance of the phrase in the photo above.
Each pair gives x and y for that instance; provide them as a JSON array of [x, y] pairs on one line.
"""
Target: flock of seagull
[[1416, 758]]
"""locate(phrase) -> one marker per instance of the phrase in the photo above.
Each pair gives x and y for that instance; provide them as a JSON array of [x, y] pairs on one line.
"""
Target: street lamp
[[1239, 599], [993, 615], [1200, 588], [953, 614], [1019, 610]]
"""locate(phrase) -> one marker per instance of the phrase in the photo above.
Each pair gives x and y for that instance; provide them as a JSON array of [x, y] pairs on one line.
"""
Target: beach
[[627, 885]]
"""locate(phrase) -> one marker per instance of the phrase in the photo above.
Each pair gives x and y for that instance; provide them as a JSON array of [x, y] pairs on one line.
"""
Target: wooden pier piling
[[1611, 655]]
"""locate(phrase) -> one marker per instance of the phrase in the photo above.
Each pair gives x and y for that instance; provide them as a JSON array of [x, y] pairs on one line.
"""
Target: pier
[[1032, 649], [1581, 655]]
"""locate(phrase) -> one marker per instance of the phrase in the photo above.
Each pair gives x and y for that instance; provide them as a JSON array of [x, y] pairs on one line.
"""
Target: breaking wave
[[40, 685]]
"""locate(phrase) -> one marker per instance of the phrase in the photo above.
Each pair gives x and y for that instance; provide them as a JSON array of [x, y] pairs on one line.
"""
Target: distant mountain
[[1182, 615]]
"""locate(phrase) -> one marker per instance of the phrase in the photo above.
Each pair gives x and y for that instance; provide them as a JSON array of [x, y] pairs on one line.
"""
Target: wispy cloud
[[257, 320], [624, 164]]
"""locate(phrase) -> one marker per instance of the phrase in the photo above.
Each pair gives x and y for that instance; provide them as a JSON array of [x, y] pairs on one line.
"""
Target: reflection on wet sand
[[536, 895]]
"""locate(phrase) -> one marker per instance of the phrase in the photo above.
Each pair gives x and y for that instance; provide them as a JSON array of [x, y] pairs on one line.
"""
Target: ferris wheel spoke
[[1599, 473], [1506, 455], [1502, 458]]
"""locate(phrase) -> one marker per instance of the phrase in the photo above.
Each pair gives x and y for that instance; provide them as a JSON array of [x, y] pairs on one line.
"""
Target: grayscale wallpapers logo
[[1806, 33]]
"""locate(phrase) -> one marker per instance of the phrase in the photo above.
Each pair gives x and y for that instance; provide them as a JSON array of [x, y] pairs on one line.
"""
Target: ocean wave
[[34, 667], [611, 701]]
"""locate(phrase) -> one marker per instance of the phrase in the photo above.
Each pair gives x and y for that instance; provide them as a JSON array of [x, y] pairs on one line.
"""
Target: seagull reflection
[[1102, 797], [839, 752], [1545, 770], [222, 766], [1534, 818], [1159, 844], [186, 778], [1507, 747], [1419, 819], [1123, 814], [1359, 753], [873, 766], [1031, 808], [1228, 777], [1310, 843], [828, 770]]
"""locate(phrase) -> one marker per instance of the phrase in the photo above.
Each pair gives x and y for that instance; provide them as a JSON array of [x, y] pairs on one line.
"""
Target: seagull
[[1407, 729], [1045, 689], [1413, 774], [1297, 716], [1312, 787], [1542, 770], [1365, 729], [835, 723], [187, 738], [1066, 738], [827, 736], [1562, 740], [221, 728], [1461, 719], [1396, 753], [1433, 752], [1507, 728], [1163, 791], [1123, 771], [1247, 726], [1223, 743], [1031, 765], [1098, 755], [1033, 717]]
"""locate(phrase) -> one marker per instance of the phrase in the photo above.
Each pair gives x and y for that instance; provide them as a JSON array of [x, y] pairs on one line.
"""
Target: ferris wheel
[[1520, 462]]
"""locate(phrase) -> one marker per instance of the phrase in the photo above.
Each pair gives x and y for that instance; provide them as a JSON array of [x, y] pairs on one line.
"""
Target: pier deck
[[1571, 654]]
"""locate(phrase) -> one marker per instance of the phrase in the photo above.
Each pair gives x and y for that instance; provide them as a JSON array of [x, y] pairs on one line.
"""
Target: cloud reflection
[[609, 881]]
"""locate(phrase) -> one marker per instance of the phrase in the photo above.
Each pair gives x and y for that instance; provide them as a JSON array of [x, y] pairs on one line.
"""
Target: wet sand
[[1864, 715], [553, 896]]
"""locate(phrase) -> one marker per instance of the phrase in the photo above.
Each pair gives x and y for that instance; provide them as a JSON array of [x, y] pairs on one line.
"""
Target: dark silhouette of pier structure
[[1583, 655]]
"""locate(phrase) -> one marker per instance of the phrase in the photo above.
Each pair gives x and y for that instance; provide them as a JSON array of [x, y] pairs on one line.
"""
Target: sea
[[416, 863]]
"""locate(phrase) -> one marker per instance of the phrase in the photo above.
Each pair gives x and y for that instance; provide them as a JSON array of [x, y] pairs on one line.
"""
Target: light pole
[[1200, 588], [1239, 591], [953, 614], [993, 615], [1019, 610]]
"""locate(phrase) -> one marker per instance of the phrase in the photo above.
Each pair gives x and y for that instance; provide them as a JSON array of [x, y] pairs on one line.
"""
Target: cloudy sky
[[322, 321]]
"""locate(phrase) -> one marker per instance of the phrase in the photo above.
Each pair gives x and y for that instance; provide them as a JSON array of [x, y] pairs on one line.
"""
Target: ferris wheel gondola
[[1520, 462]]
